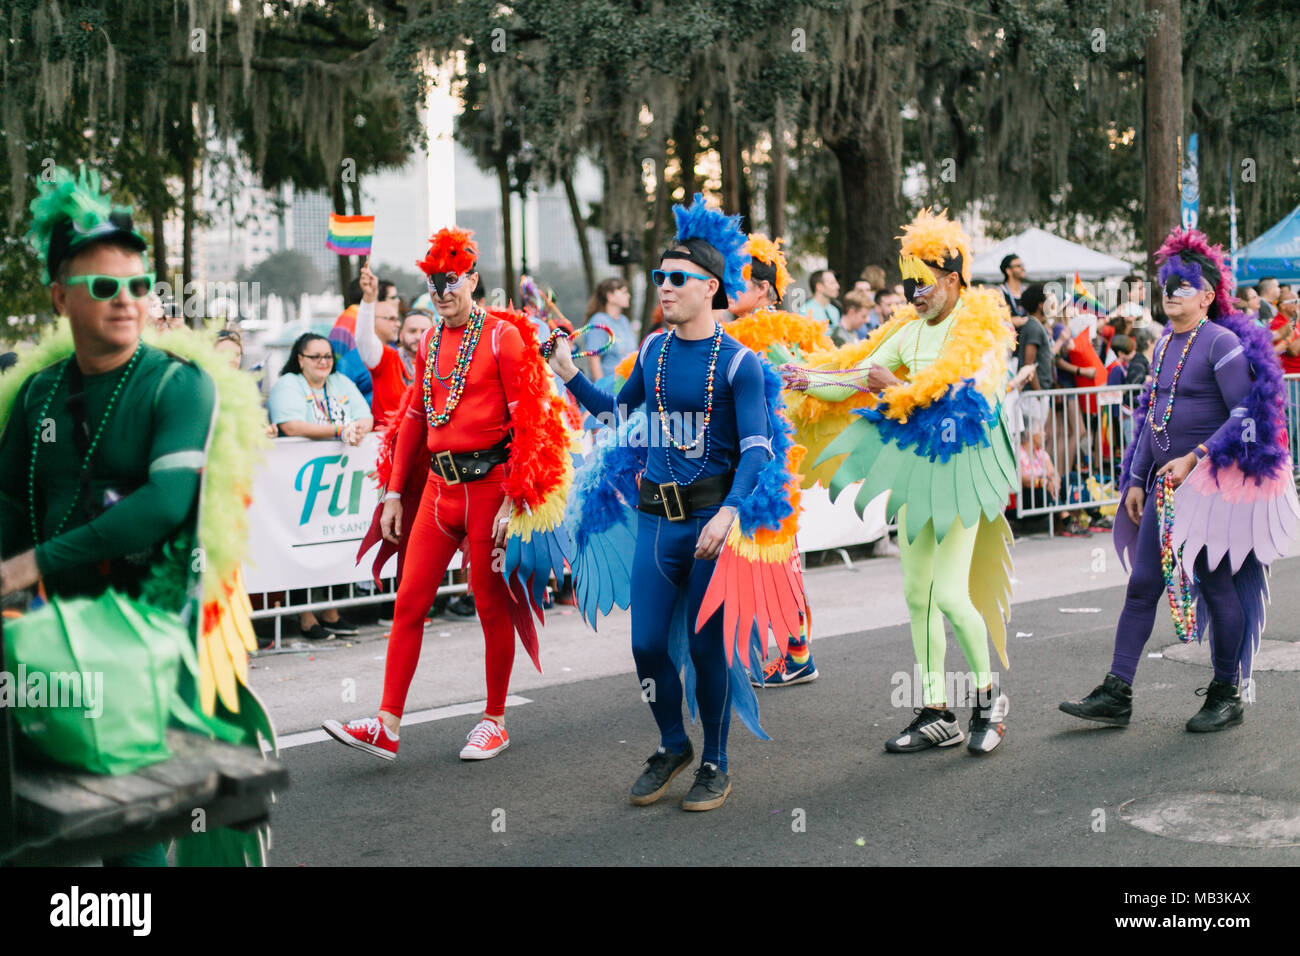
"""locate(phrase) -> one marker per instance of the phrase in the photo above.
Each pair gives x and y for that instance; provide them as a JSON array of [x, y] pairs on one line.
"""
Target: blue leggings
[[664, 563]]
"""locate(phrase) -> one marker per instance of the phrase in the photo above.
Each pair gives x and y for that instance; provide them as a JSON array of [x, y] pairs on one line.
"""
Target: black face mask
[[909, 289], [1172, 283]]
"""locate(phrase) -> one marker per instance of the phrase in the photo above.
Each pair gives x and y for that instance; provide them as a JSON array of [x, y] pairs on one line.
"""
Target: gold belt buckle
[[679, 514], [447, 467]]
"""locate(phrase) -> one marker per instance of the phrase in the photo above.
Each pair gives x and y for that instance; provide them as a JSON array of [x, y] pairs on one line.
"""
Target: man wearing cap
[[101, 456], [704, 397]]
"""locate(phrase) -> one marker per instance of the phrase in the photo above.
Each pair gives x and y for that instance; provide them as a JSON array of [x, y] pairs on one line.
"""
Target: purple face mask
[[1175, 272]]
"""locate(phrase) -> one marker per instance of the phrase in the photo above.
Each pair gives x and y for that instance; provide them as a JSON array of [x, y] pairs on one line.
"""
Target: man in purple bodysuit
[[1210, 385]]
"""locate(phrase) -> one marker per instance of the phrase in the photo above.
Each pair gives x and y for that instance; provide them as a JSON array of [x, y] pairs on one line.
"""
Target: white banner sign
[[312, 504], [826, 524]]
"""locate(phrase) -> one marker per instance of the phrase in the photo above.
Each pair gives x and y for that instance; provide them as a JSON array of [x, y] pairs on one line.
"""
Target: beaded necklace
[[661, 395], [1181, 604], [90, 452], [455, 382], [549, 345], [326, 411], [1158, 431]]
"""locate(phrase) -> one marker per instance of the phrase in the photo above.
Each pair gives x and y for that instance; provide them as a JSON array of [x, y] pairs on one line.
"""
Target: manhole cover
[[1225, 819], [1272, 656]]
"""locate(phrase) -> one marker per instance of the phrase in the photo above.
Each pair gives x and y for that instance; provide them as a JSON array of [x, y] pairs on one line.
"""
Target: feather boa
[[955, 421], [602, 491], [236, 442], [761, 329], [539, 447], [978, 341], [774, 503]]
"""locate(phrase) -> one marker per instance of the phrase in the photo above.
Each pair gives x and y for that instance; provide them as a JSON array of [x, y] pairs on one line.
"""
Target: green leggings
[[936, 583]]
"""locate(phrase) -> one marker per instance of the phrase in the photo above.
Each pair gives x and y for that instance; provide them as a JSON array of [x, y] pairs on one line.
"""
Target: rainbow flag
[[1086, 302], [350, 235]]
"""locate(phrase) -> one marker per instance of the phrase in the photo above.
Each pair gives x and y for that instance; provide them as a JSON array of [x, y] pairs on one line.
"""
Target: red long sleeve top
[[482, 418]]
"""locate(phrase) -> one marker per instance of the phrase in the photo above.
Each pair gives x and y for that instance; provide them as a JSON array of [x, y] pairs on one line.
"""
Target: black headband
[[706, 257], [760, 271]]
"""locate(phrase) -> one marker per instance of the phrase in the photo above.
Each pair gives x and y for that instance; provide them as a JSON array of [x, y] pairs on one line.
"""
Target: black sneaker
[[462, 605], [710, 789], [659, 772], [342, 626], [318, 633], [1111, 703], [987, 723], [931, 728], [1223, 708]]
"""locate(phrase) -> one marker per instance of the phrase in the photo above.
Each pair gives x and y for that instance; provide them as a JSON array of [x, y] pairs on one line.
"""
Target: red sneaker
[[487, 739], [368, 734]]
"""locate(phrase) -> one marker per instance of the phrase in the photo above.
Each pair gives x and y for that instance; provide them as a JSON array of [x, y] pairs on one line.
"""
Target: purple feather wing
[[1231, 515]]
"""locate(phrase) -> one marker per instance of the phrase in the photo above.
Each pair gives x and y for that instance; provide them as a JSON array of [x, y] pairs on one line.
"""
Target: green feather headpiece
[[70, 212]]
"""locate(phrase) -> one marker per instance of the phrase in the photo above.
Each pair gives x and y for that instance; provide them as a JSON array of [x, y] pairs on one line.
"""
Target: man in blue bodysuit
[[709, 437]]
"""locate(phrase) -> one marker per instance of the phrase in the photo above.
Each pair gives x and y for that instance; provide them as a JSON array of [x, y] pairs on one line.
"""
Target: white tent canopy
[[1047, 257]]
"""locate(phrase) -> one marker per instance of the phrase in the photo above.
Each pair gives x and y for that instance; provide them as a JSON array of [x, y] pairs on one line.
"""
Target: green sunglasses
[[108, 287]]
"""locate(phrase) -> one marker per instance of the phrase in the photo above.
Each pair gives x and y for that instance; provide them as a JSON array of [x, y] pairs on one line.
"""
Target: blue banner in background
[[1190, 186]]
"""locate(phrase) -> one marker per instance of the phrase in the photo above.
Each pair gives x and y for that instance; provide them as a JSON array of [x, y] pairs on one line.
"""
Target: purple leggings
[[1146, 589]]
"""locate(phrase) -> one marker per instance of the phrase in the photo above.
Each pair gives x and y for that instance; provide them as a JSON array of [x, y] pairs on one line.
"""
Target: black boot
[[1223, 708], [1111, 703]]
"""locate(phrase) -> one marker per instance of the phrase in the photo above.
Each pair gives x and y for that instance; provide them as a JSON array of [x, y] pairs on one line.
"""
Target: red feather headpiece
[[450, 250]]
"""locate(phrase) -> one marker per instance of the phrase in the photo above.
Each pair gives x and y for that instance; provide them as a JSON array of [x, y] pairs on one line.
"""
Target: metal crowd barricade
[[1293, 420], [1084, 448], [277, 604]]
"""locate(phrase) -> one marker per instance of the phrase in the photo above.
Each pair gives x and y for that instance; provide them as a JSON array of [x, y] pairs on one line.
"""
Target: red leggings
[[448, 513]]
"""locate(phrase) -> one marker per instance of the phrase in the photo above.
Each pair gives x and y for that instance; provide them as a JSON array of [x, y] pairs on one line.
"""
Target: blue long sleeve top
[[738, 435]]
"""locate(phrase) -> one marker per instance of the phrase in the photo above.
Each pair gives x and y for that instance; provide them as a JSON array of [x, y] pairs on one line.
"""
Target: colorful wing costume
[[1239, 502], [756, 584], [937, 443]]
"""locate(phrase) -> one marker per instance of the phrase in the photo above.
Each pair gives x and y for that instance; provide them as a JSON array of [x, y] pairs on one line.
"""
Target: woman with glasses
[[311, 400]]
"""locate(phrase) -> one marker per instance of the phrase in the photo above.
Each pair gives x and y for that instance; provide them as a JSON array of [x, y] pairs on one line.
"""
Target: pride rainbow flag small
[[1085, 301], [350, 235]]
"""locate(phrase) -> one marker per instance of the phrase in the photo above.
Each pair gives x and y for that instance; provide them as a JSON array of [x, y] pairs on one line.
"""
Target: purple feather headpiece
[[1179, 257]]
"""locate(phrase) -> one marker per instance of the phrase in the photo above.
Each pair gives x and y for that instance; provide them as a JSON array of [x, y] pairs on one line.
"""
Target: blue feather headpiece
[[722, 233]]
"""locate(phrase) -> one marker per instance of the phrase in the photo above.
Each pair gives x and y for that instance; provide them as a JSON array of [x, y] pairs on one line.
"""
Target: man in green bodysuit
[[100, 460]]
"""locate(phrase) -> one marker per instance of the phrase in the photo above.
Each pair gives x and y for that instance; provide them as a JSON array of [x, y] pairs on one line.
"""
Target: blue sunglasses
[[676, 277]]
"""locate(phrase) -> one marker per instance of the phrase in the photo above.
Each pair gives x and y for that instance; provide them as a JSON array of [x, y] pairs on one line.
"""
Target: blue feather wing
[[602, 570], [531, 563], [743, 698]]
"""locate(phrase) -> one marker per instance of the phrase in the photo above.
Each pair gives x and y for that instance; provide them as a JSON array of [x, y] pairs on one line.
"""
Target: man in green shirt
[[101, 456], [101, 453]]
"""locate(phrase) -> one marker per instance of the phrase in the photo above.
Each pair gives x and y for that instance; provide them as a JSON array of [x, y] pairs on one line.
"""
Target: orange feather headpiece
[[767, 256]]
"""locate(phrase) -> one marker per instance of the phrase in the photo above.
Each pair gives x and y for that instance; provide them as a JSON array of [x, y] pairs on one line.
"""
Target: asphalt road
[[823, 791]]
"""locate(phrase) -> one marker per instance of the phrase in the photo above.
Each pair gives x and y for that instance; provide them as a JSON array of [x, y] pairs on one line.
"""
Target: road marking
[[419, 717]]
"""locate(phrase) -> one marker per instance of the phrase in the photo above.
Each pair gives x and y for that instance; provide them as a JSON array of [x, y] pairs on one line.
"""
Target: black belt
[[456, 467], [678, 502]]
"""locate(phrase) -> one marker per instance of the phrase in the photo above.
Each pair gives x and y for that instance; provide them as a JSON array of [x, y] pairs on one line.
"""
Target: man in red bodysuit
[[457, 416]]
